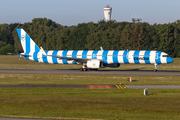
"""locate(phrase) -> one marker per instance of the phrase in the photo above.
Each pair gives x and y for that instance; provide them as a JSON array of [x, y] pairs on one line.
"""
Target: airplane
[[92, 59]]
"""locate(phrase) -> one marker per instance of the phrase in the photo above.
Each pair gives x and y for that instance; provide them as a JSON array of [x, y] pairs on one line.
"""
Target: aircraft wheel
[[81, 69], [155, 70], [84, 69]]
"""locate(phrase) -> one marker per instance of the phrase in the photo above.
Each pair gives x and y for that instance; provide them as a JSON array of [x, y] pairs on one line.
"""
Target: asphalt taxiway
[[94, 86], [26, 119], [99, 72]]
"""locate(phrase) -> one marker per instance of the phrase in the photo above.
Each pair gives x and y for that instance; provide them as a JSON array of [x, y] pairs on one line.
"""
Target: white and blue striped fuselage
[[108, 56], [93, 59]]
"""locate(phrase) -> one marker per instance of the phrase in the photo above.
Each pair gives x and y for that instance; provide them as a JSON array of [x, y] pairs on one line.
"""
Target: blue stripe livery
[[104, 56], [35, 54], [158, 57], [45, 60], [19, 33], [136, 57], [147, 55], [64, 54], [115, 56], [84, 54], [90, 58], [74, 55], [94, 54], [126, 57], [28, 44], [54, 59]]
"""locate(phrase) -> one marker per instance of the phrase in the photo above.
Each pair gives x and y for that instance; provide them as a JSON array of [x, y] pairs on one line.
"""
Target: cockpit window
[[165, 55]]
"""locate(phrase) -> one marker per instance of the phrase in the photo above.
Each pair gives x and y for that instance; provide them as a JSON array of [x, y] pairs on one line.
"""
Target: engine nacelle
[[112, 65], [94, 64]]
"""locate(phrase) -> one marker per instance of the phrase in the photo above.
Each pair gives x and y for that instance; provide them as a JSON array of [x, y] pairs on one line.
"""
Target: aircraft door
[[156, 56]]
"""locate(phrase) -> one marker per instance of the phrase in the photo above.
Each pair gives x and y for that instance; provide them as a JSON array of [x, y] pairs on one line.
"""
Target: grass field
[[56, 103], [68, 79], [13, 61], [124, 104]]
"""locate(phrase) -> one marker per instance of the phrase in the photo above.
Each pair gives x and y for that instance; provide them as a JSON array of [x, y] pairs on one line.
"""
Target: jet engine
[[94, 64]]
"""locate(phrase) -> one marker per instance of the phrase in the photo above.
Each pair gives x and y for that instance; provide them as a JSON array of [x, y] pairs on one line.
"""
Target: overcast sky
[[72, 12]]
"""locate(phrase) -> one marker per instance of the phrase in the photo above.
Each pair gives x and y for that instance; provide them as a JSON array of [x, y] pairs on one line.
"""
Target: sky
[[73, 12]]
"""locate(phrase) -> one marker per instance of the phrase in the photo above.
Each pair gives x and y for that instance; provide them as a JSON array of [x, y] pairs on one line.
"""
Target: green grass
[[68, 79], [125, 104], [13, 61], [54, 103]]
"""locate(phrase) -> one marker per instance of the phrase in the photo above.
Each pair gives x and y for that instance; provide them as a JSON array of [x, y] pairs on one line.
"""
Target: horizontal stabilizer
[[22, 55]]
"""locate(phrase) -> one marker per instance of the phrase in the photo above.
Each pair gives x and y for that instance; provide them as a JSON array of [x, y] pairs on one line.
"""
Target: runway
[[99, 72]]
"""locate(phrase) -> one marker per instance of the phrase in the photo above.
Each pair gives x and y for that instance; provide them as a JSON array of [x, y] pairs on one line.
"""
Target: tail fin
[[27, 43]]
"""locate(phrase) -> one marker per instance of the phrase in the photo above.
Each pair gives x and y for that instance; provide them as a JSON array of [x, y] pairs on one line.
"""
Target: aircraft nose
[[169, 60]]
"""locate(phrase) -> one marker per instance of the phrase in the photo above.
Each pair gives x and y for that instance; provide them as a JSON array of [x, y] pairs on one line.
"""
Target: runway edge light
[[145, 91]]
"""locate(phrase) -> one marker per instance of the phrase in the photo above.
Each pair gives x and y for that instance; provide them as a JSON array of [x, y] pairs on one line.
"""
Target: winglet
[[101, 48]]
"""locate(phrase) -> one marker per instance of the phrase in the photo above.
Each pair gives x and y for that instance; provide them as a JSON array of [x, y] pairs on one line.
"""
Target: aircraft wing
[[71, 58]]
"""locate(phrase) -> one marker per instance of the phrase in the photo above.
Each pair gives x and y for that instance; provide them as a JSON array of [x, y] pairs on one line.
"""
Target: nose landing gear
[[155, 69]]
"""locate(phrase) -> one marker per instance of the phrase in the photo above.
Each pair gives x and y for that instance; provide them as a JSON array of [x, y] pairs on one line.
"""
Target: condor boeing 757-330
[[93, 59]]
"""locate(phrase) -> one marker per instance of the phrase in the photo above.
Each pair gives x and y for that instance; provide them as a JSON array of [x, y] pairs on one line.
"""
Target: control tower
[[107, 12]]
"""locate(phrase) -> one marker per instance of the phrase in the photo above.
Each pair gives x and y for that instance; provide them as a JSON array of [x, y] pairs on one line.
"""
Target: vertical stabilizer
[[27, 43]]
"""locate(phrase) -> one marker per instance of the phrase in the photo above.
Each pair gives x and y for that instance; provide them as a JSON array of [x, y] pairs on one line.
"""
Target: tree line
[[110, 35]]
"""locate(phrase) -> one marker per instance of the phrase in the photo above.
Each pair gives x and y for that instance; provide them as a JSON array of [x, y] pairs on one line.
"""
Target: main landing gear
[[84, 67]]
